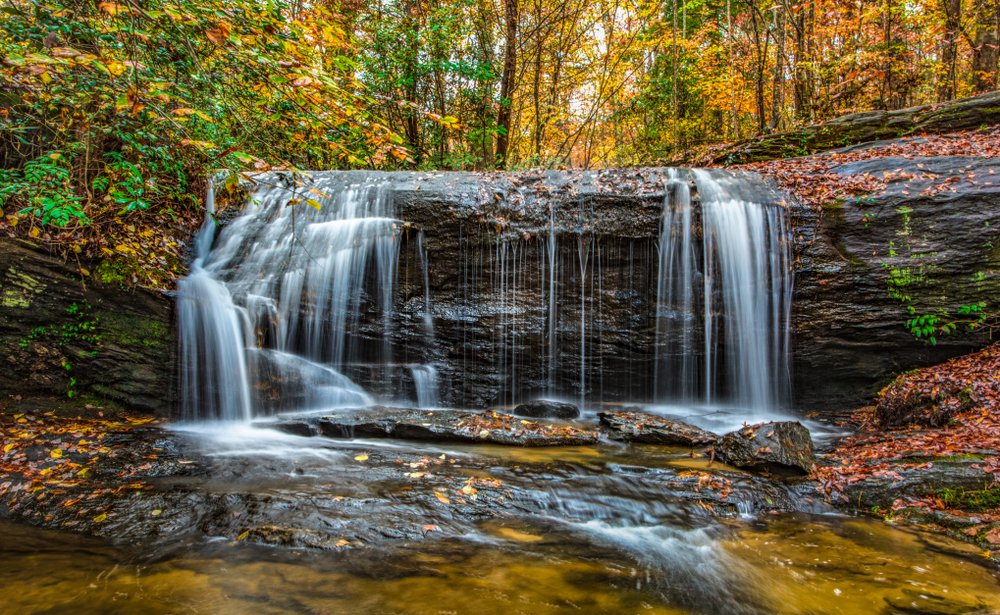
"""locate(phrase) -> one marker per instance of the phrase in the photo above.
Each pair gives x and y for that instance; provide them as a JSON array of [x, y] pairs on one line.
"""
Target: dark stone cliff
[[60, 336], [860, 265], [484, 238]]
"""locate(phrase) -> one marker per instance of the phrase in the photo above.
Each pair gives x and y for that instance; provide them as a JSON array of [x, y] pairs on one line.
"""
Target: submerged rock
[[547, 409], [780, 448], [633, 426], [293, 427], [454, 425]]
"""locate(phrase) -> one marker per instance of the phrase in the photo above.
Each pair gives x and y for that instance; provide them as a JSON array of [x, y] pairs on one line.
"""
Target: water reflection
[[793, 564]]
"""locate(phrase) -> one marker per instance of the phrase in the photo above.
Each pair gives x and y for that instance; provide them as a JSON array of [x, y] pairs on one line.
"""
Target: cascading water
[[745, 275], [299, 308], [272, 313], [425, 379]]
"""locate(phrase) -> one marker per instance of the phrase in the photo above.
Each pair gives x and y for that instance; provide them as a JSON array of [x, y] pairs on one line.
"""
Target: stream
[[608, 529], [349, 306]]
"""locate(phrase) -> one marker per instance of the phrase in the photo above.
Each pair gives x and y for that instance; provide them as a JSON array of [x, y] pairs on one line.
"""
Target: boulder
[[449, 425], [633, 426], [291, 427], [777, 448], [547, 409]]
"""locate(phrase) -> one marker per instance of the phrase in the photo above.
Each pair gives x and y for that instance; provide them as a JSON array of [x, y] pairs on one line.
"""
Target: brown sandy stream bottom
[[775, 564]]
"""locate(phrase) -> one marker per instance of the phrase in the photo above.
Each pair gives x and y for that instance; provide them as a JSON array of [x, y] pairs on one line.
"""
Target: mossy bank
[[67, 334]]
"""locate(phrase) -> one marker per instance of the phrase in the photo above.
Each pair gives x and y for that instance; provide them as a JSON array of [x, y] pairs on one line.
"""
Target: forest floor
[[812, 179], [929, 452]]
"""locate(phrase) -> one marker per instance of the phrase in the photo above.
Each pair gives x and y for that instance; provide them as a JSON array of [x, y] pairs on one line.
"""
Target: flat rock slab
[[633, 426], [452, 425], [547, 409], [784, 447], [292, 427]]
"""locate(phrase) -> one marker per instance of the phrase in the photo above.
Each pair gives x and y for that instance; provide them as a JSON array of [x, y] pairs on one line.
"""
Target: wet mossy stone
[[784, 448], [547, 409], [449, 425], [67, 335], [642, 427], [288, 426]]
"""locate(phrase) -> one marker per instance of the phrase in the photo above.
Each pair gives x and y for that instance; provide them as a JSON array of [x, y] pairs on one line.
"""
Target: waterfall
[[745, 275], [213, 330], [293, 279], [677, 319], [752, 260], [295, 304], [425, 379]]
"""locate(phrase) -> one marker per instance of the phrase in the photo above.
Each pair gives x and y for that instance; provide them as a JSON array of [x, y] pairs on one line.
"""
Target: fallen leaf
[[100, 517], [361, 458], [442, 498]]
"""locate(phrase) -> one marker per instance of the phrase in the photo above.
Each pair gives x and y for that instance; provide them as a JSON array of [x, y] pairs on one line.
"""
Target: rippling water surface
[[788, 563]]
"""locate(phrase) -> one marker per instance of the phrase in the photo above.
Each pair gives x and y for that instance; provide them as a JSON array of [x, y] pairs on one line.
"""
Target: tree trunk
[[778, 94], [507, 83], [411, 124], [759, 77], [949, 48], [985, 47], [963, 114], [482, 137]]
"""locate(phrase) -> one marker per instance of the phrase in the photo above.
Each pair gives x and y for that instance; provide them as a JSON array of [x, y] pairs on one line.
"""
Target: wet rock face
[[859, 266], [449, 425], [547, 409], [631, 426], [777, 448], [61, 336], [862, 263]]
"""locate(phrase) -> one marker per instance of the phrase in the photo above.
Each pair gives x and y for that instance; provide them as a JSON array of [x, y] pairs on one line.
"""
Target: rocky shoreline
[[136, 479]]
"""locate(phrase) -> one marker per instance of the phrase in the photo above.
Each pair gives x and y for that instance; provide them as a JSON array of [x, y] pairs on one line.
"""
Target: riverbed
[[261, 522]]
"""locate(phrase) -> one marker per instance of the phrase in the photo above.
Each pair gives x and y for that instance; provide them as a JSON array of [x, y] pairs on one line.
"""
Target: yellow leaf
[[7, 448], [361, 458], [113, 8], [56, 453], [85, 272], [442, 498], [313, 203], [244, 535], [156, 512], [100, 517], [104, 449], [33, 233], [83, 472]]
